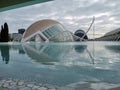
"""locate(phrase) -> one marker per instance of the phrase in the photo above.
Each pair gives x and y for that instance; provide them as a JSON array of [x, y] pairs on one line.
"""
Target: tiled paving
[[14, 84]]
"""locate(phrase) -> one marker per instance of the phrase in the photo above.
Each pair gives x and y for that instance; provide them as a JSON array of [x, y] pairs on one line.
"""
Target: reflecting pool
[[61, 63]]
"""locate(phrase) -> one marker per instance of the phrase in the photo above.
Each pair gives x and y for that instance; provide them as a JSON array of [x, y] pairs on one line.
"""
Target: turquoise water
[[61, 63]]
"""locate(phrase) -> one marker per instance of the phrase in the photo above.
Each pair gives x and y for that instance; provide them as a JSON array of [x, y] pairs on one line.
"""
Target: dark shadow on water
[[114, 48], [5, 53]]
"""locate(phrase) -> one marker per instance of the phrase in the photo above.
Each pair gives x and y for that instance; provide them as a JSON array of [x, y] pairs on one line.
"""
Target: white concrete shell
[[37, 27], [55, 30]]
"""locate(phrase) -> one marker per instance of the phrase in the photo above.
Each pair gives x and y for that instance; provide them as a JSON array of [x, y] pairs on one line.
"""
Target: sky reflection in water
[[61, 63]]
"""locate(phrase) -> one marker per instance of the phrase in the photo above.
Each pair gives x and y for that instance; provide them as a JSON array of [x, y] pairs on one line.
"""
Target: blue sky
[[73, 14]]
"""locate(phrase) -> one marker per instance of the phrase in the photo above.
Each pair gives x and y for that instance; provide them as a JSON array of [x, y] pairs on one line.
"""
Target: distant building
[[111, 36], [21, 31], [16, 37], [80, 35], [47, 30]]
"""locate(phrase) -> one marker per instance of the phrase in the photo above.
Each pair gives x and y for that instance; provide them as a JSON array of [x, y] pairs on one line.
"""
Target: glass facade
[[57, 33], [56, 29]]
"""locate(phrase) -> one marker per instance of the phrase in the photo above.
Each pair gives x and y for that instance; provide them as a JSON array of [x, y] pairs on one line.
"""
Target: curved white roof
[[112, 32], [39, 26]]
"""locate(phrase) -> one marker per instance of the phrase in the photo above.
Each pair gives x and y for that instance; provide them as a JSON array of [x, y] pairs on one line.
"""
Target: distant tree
[[1, 31], [1, 27], [4, 33], [1, 34]]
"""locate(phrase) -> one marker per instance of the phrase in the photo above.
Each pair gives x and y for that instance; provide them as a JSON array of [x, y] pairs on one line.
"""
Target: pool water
[[61, 63]]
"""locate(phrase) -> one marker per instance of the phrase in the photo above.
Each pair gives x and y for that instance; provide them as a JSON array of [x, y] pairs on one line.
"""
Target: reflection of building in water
[[80, 48], [46, 53], [17, 47], [5, 53], [115, 48], [47, 30], [49, 54]]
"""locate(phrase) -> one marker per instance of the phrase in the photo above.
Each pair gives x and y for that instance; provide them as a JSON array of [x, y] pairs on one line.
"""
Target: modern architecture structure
[[80, 35], [110, 36], [47, 30], [15, 37]]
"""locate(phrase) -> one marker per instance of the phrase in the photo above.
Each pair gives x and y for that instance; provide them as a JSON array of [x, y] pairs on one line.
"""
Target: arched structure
[[47, 30], [80, 35], [111, 36]]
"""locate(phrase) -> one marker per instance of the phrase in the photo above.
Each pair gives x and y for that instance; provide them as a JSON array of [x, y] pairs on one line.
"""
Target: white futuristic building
[[111, 36], [45, 31], [80, 35]]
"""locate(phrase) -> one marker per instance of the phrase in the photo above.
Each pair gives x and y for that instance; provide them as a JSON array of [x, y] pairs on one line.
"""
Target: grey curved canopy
[[12, 4]]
